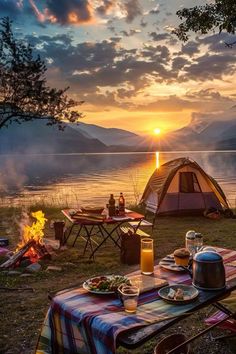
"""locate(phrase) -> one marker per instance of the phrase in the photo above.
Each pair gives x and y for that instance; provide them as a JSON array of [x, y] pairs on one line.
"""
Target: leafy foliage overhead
[[24, 93], [219, 15]]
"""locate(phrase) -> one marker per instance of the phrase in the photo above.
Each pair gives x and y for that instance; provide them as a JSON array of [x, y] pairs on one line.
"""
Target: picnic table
[[80, 322], [107, 227]]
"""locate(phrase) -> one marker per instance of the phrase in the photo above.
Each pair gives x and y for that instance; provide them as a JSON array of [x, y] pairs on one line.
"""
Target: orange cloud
[[40, 16], [64, 12]]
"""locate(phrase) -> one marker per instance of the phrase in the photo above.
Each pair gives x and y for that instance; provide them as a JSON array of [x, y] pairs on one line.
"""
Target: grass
[[22, 313]]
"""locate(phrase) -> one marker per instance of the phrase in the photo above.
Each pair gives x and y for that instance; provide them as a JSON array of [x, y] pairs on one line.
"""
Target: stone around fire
[[34, 267]]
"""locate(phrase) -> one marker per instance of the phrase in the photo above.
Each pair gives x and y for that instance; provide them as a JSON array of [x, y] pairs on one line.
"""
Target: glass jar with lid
[[198, 241], [190, 241]]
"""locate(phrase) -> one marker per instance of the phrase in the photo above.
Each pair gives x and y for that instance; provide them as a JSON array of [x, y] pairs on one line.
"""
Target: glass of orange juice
[[147, 256]]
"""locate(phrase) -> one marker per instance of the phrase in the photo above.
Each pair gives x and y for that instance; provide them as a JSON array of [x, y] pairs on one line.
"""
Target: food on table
[[177, 294], [106, 283], [93, 210], [181, 256], [171, 293]]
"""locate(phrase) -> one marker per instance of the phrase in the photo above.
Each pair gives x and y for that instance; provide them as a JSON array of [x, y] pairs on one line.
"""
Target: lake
[[88, 179]]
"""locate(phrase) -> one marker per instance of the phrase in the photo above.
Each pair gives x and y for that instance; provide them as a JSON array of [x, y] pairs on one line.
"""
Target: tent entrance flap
[[188, 183]]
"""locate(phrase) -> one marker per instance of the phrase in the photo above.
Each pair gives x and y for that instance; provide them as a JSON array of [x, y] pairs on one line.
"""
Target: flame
[[34, 232]]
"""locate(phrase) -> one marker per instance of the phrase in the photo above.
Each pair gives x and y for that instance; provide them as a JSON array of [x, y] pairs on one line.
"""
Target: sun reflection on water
[[157, 159]]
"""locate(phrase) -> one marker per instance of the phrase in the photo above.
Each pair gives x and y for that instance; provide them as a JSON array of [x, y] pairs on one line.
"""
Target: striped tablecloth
[[80, 322]]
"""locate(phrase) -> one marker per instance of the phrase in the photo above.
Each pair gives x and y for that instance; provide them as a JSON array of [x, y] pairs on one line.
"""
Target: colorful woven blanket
[[81, 322]]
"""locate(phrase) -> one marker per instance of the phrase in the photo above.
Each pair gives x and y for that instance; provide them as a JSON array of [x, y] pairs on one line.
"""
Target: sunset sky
[[121, 58]]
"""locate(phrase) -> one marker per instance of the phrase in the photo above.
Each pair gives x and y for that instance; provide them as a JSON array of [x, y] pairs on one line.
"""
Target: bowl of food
[[179, 294]]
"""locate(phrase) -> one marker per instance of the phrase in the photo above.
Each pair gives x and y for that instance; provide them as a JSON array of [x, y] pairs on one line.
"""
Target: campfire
[[31, 246]]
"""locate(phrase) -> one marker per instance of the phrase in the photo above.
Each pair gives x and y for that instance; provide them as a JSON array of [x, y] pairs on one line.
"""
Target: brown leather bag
[[130, 248]]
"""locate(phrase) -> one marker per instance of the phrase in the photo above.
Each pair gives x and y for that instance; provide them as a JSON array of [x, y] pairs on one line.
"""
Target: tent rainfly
[[181, 186]]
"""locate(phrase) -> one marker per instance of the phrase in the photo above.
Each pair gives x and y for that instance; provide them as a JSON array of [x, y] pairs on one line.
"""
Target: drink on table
[[130, 305], [129, 294], [121, 204], [147, 256], [111, 206]]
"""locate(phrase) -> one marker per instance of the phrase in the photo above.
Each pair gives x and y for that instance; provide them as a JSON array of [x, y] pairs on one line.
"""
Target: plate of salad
[[106, 284]]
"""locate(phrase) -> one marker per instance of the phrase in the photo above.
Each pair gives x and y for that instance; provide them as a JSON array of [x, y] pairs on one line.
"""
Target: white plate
[[168, 263], [87, 284]]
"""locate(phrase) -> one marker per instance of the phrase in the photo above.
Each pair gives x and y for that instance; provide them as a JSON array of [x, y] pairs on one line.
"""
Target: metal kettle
[[208, 271]]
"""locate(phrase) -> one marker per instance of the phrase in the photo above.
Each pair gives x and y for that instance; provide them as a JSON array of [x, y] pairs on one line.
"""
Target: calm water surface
[[88, 179]]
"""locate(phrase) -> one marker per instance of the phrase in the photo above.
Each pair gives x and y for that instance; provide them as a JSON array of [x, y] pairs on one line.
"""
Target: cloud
[[143, 23], [155, 10], [209, 67], [191, 48], [63, 12], [216, 42], [179, 63], [170, 104], [159, 36], [105, 71], [208, 100], [209, 94], [105, 63], [133, 10], [76, 12], [130, 33], [168, 38], [104, 8], [12, 8]]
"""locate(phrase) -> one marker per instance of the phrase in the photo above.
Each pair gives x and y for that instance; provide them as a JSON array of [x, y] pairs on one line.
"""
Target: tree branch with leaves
[[24, 93], [219, 15]]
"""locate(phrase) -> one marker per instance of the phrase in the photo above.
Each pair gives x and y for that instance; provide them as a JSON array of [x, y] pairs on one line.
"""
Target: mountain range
[[37, 137]]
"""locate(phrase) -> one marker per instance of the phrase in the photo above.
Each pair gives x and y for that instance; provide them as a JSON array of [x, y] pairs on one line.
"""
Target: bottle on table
[[121, 204], [111, 206]]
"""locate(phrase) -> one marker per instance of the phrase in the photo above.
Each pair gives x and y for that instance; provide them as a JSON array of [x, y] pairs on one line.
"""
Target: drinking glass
[[147, 256], [129, 295]]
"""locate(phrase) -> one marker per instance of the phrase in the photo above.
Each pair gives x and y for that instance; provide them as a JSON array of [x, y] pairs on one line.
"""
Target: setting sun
[[157, 131]]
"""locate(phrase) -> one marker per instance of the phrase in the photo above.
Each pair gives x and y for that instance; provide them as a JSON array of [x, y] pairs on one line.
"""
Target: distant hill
[[109, 136], [215, 135], [228, 144], [37, 137]]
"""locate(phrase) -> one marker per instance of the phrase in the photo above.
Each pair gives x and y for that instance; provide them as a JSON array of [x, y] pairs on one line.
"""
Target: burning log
[[39, 249], [18, 255]]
